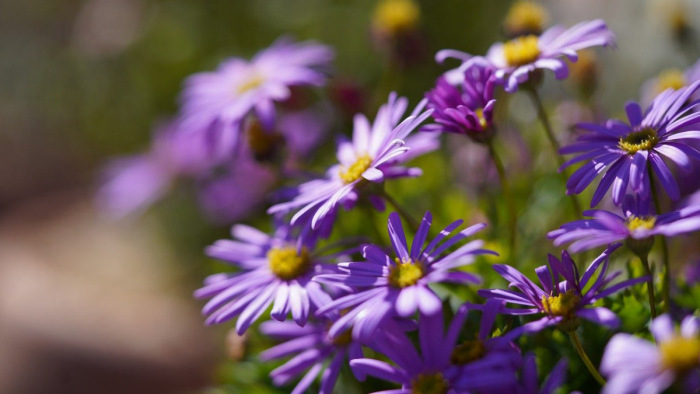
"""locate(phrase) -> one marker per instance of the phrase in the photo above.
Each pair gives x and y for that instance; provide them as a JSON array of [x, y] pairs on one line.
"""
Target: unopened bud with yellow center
[[562, 304], [354, 172], [644, 139], [680, 354], [525, 17], [405, 273], [670, 79], [426, 383], [394, 17], [521, 50], [467, 352], [287, 264]]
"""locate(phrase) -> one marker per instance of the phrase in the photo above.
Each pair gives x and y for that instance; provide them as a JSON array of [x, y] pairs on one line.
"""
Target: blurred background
[[87, 301]]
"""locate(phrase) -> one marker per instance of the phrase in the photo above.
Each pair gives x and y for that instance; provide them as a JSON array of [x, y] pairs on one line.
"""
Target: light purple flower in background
[[275, 270], [625, 150], [692, 273], [399, 286], [529, 382], [465, 107], [516, 59], [635, 365], [432, 370], [375, 153], [670, 79], [561, 302], [635, 224], [215, 103]]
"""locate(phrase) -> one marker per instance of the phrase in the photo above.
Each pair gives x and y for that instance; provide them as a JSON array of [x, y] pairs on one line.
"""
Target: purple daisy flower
[[399, 286], [635, 225], [214, 104], [434, 370], [529, 382], [669, 79], [561, 302], [516, 59], [635, 365], [276, 268], [627, 151], [375, 154], [311, 347], [465, 107]]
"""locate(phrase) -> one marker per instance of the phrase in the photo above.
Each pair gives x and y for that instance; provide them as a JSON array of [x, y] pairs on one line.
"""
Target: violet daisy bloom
[[215, 103], [563, 303], [432, 370], [399, 286], [627, 150], [636, 225], [671, 78], [275, 268], [635, 365], [529, 382], [375, 153], [466, 107], [516, 59], [311, 347]]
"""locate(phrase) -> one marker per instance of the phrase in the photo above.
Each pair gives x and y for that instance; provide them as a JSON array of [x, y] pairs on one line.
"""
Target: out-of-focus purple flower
[[275, 268], [692, 273], [399, 286], [529, 382], [626, 150], [636, 224], [516, 59], [634, 365], [672, 78], [215, 104], [433, 370], [376, 153], [561, 302], [465, 107], [311, 347]]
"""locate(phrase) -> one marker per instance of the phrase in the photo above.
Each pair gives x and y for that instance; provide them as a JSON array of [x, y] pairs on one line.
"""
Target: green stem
[[371, 216], [582, 353], [650, 284], [404, 214], [544, 119], [505, 186], [666, 278]]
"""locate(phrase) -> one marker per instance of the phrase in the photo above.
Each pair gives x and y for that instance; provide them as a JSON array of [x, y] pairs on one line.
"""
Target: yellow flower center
[[287, 264], [405, 273], [670, 79], [562, 304], [354, 172], [482, 120], [521, 50], [261, 143], [343, 339], [644, 139], [433, 383], [250, 84], [644, 222], [467, 352], [680, 354], [525, 17], [396, 16]]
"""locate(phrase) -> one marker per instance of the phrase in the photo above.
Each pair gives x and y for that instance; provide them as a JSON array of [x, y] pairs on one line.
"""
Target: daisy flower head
[[466, 106], [431, 367], [562, 302], [637, 226], [634, 365], [275, 270], [375, 153], [671, 78], [398, 286], [214, 104], [629, 153]]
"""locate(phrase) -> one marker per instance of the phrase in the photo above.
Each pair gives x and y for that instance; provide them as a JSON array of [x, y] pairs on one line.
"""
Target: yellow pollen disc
[[287, 264], [354, 172], [467, 352], [644, 139], [637, 222], [560, 305], [480, 115], [396, 16], [525, 17], [521, 50], [261, 143], [670, 79], [405, 274], [680, 354], [426, 383], [250, 84]]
